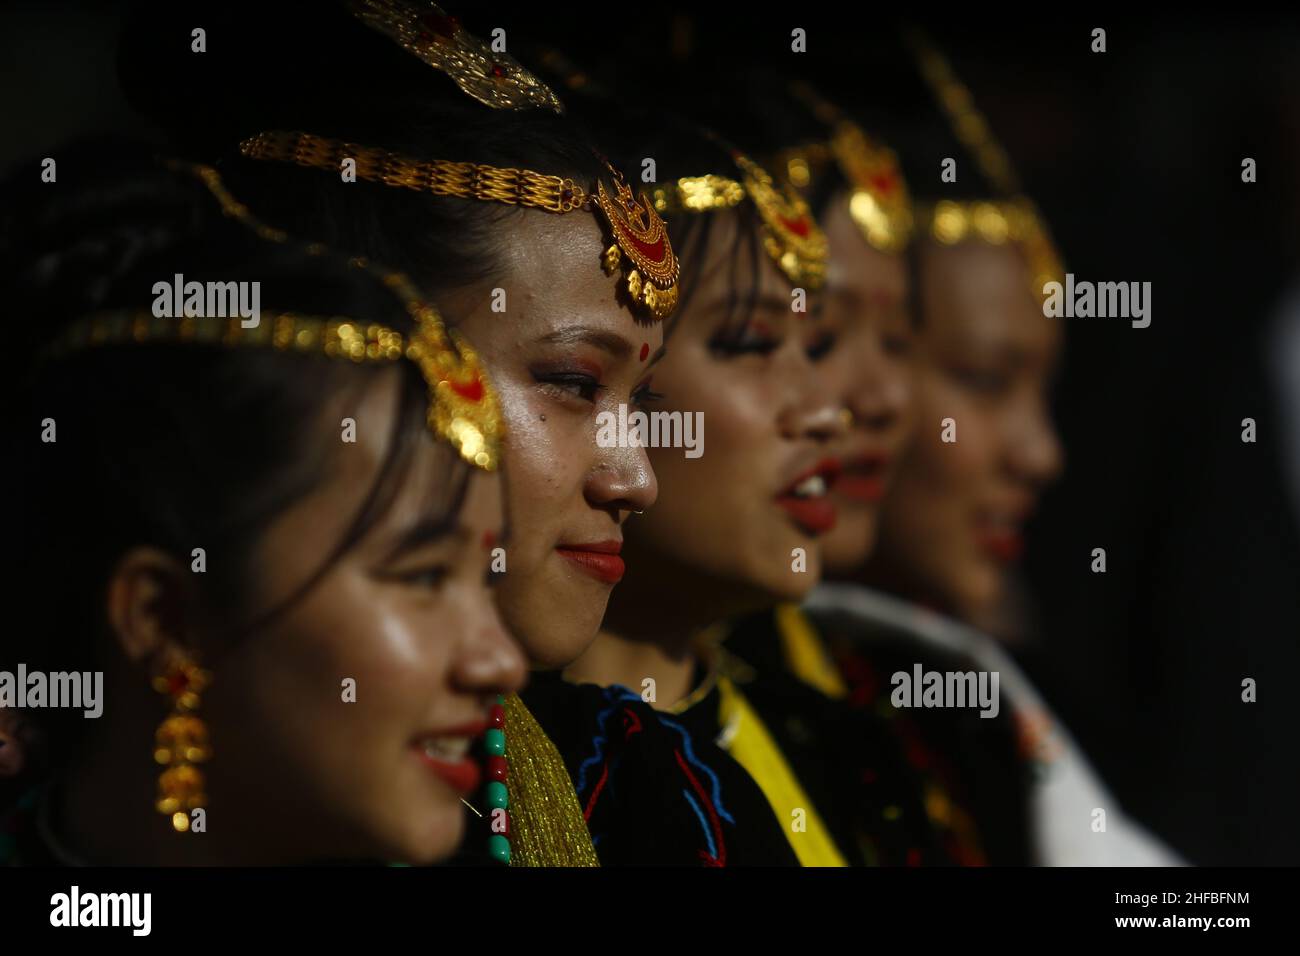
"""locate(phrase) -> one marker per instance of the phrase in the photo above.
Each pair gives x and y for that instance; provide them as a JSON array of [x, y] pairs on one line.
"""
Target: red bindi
[[489, 539], [645, 350]]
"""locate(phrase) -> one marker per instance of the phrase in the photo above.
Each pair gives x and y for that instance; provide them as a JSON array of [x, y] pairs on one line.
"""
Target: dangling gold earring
[[181, 742]]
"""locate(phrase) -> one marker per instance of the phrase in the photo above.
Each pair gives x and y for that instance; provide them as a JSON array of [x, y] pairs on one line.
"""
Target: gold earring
[[181, 742], [846, 416]]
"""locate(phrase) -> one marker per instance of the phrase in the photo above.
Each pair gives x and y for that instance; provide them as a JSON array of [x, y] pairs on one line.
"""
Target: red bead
[[177, 683], [498, 70], [497, 717], [497, 769]]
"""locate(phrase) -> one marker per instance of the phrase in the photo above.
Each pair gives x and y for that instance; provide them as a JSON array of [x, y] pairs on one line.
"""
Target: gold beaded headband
[[790, 234], [1014, 220], [463, 408], [639, 244], [879, 202]]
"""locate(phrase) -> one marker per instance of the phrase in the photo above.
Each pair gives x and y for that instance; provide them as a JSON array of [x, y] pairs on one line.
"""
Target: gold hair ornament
[[879, 202], [1015, 217], [790, 234], [1014, 220], [463, 408], [494, 79], [640, 244]]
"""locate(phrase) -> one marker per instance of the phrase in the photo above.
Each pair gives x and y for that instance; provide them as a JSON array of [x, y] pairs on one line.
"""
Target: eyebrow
[[611, 342]]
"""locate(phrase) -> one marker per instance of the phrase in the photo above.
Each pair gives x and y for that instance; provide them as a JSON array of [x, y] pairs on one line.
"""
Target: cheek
[[353, 629], [545, 460], [952, 469]]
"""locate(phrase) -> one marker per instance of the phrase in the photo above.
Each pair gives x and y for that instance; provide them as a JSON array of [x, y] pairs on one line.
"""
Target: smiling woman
[[329, 657]]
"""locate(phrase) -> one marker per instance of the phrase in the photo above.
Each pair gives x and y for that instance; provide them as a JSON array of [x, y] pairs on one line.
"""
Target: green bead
[[494, 742], [499, 848], [501, 700], [497, 795]]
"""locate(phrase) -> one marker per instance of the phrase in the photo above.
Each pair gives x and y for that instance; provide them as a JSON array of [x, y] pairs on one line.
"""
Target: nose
[[812, 408], [880, 391], [490, 661], [621, 480], [1036, 453]]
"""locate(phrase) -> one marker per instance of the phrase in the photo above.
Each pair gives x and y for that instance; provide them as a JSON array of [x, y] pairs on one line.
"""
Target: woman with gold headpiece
[[262, 528], [855, 188], [1009, 789], [737, 526], [453, 161]]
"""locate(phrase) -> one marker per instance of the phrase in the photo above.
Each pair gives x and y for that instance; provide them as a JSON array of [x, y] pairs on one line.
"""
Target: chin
[[847, 547], [434, 839], [553, 620]]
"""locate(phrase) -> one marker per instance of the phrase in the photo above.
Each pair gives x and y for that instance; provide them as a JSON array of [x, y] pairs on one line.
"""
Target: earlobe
[[147, 597]]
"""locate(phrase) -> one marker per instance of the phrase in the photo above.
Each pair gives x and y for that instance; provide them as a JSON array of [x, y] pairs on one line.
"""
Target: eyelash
[[572, 385], [747, 345], [414, 577], [643, 396], [983, 382], [898, 345], [821, 348]]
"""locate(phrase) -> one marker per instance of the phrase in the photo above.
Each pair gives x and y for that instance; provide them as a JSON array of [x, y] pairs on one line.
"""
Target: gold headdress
[[790, 234], [638, 240], [1014, 218], [494, 79], [879, 202], [463, 408]]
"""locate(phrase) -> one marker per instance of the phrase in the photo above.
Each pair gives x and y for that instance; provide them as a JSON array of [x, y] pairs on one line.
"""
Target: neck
[[621, 657]]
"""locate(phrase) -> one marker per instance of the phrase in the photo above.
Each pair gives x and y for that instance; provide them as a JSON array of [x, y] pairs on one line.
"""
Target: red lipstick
[[864, 478], [812, 509], [1004, 546], [599, 559], [440, 753]]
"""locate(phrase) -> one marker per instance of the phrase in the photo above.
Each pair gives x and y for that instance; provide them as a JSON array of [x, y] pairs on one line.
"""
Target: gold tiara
[[638, 238], [1015, 220], [1014, 217], [790, 234], [495, 79], [879, 202], [463, 408]]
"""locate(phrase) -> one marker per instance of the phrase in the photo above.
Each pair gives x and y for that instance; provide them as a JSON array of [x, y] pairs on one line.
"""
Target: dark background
[[1134, 156]]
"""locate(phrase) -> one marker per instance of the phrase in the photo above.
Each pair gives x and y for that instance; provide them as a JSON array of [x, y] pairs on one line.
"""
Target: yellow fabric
[[805, 654], [754, 749], [546, 823]]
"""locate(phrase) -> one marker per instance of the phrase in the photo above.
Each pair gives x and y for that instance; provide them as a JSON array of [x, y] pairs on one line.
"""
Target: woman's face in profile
[[866, 309], [407, 620], [985, 355], [562, 350], [755, 498]]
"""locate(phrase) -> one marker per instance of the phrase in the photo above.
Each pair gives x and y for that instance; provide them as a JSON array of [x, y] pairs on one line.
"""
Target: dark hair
[[175, 446], [335, 77]]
